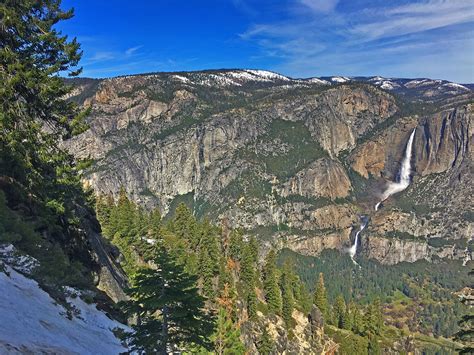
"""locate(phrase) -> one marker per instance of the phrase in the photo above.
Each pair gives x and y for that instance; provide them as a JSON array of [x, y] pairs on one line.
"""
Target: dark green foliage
[[303, 148], [169, 307], [320, 298], [465, 335], [39, 182], [227, 339], [270, 283], [265, 344], [373, 319], [437, 305], [349, 343], [287, 296], [339, 312], [248, 275], [373, 348]]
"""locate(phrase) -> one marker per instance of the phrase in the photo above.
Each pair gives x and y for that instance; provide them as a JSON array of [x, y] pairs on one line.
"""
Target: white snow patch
[[19, 262], [243, 75], [388, 85], [268, 75], [31, 322], [219, 80], [340, 79], [318, 81], [422, 82], [456, 86], [181, 78], [377, 78]]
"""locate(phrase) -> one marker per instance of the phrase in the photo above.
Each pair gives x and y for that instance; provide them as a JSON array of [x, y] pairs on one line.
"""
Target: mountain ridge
[[250, 146]]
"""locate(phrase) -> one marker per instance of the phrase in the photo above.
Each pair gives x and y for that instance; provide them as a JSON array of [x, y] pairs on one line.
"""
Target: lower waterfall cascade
[[353, 248]]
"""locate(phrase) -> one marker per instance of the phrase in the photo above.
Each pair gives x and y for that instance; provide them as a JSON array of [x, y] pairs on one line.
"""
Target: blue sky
[[299, 38]]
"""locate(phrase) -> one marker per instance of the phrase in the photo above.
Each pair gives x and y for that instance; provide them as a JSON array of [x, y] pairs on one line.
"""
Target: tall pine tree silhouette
[[169, 308]]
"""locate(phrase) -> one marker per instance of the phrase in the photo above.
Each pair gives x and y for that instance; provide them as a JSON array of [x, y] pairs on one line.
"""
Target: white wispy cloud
[[130, 51], [323, 6], [378, 39], [413, 18]]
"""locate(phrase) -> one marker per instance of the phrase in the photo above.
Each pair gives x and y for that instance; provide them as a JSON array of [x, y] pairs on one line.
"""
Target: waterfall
[[404, 176], [353, 249]]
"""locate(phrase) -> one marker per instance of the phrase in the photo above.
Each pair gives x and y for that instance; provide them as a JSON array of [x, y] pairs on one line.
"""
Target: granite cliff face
[[295, 162]]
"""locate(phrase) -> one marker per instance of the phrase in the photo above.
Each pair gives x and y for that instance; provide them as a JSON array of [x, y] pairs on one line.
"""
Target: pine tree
[[155, 222], [287, 296], [339, 311], [169, 307], [252, 303], [265, 344], [373, 346], [248, 278], [356, 319], [185, 226], [35, 171], [122, 217], [347, 319], [247, 267], [103, 207], [236, 244], [227, 338], [270, 283], [373, 319], [320, 298]]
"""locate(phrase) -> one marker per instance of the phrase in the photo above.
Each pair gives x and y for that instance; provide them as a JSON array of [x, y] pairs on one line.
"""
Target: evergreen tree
[[373, 319], [287, 296], [185, 226], [320, 298], [356, 319], [103, 208], [209, 257], [373, 346], [248, 278], [41, 181], [227, 339], [252, 303], [265, 344], [270, 283], [236, 244], [247, 267], [339, 311], [155, 222], [347, 319], [170, 309]]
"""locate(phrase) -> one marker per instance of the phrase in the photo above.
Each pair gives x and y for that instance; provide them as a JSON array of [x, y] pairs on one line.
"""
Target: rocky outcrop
[[381, 155], [444, 140], [323, 178], [307, 334]]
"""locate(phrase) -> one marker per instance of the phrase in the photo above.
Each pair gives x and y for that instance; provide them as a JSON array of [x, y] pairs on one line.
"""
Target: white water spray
[[405, 170], [353, 249]]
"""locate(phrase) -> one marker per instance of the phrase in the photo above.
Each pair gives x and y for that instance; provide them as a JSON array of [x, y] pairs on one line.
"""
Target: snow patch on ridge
[[19, 262], [32, 322], [340, 79], [267, 75], [318, 81]]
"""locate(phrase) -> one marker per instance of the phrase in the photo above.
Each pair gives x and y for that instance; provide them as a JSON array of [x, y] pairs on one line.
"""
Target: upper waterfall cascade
[[405, 171]]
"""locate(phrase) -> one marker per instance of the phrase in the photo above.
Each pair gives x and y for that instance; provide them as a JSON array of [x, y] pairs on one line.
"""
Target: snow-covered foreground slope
[[31, 322]]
